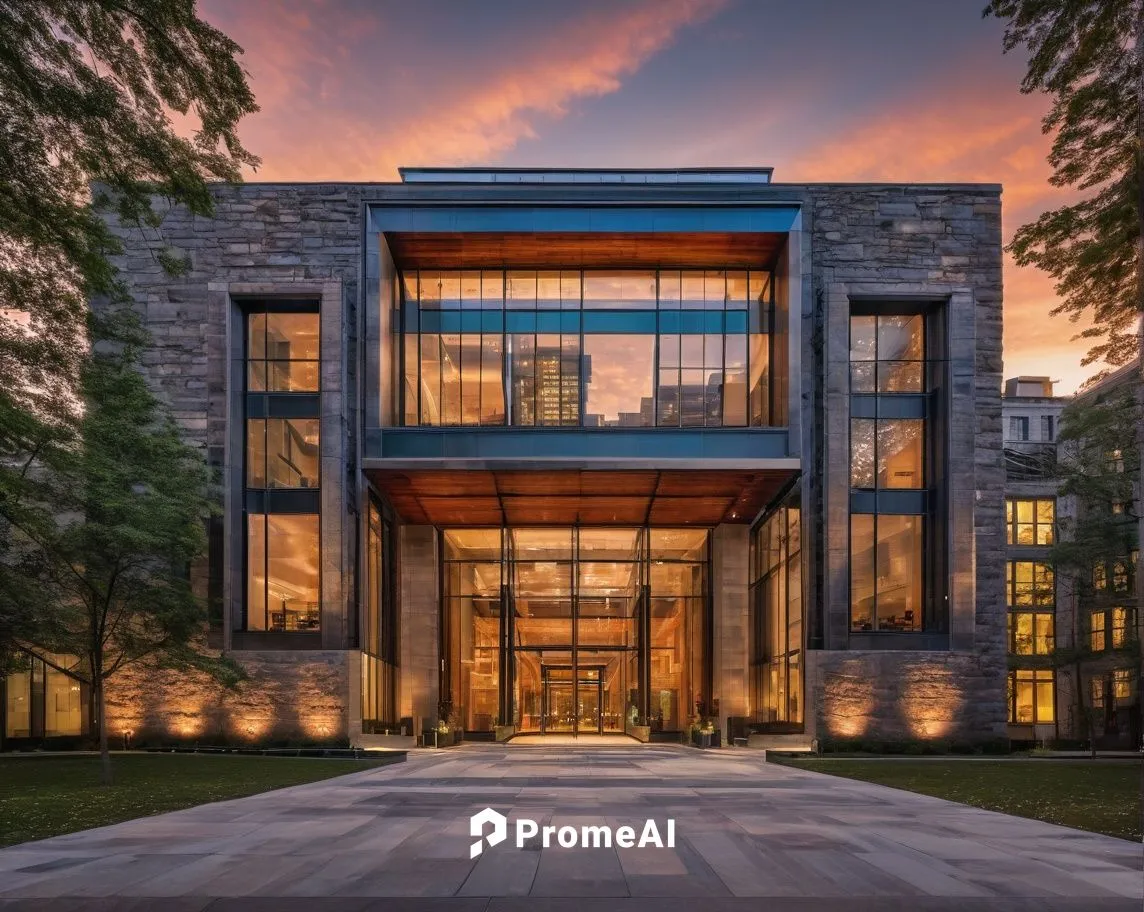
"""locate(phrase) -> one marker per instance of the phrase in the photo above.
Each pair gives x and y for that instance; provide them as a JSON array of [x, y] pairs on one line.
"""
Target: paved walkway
[[750, 836]]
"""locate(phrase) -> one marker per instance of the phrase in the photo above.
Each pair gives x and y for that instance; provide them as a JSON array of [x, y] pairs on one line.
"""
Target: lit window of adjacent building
[[587, 348], [1031, 597], [377, 632], [282, 467], [1123, 685], [1112, 628], [1097, 632], [1030, 521], [1031, 696]]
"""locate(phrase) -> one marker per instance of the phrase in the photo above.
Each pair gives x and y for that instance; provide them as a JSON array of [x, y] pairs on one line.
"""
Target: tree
[[1099, 459], [129, 503], [88, 89], [1089, 56]]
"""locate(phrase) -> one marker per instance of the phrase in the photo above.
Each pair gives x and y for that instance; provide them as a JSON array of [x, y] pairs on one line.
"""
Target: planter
[[640, 732], [504, 732]]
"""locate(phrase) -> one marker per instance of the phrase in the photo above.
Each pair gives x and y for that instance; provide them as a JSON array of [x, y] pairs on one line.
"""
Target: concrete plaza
[[750, 835]]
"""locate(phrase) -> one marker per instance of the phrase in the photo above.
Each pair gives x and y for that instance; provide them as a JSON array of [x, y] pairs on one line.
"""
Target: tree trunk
[[104, 750]]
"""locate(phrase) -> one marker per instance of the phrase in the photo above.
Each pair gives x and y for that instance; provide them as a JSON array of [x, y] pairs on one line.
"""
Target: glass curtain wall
[[776, 624], [889, 520], [377, 635], [588, 630], [595, 348]]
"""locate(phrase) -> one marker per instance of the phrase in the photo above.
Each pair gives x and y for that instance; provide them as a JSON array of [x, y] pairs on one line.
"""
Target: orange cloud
[[970, 134], [458, 123]]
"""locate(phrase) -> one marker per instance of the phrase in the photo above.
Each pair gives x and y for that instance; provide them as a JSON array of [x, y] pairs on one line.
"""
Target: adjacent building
[[1073, 637], [574, 451]]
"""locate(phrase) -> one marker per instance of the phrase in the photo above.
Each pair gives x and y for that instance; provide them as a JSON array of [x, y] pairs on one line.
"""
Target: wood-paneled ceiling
[[587, 250], [566, 497]]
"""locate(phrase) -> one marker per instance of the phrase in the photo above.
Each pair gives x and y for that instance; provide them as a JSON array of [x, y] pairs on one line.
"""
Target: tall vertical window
[[282, 467], [377, 634], [1048, 428], [776, 619], [1019, 427], [1031, 596], [587, 348], [890, 505], [1030, 521]]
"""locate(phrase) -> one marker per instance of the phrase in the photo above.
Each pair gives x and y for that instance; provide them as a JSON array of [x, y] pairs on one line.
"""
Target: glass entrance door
[[592, 629], [571, 703]]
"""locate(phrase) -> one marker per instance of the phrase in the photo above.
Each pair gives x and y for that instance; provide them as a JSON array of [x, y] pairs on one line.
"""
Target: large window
[[282, 452], [776, 619], [282, 467], [583, 629], [1112, 628], [43, 697], [282, 572], [1031, 696], [890, 502], [1031, 597], [377, 634], [282, 352], [887, 452], [595, 348], [886, 572], [887, 353], [1030, 521]]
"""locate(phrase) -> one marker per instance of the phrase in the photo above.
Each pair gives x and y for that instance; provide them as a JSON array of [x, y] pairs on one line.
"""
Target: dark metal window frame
[[655, 322], [259, 404]]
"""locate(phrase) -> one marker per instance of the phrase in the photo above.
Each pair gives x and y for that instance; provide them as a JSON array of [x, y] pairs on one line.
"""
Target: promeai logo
[[477, 828], [568, 837]]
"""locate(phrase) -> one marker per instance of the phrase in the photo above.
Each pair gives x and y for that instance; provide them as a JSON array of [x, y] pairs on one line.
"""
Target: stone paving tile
[[749, 835]]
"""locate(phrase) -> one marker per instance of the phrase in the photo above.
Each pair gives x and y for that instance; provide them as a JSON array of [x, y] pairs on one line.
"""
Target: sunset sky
[[822, 90]]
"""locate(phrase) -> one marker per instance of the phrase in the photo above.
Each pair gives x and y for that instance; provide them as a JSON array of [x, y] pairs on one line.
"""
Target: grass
[[1101, 796], [49, 796]]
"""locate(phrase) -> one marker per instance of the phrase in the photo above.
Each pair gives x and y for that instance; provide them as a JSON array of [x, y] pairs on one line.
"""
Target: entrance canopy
[[570, 496]]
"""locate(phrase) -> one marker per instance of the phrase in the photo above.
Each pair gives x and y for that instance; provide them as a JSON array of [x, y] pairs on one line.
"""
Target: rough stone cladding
[[871, 240], [260, 234], [289, 696]]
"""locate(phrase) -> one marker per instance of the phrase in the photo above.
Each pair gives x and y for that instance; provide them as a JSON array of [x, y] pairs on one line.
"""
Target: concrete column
[[420, 623], [729, 591]]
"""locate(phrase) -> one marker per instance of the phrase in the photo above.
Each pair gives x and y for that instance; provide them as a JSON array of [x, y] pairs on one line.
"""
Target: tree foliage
[[1085, 54], [89, 93]]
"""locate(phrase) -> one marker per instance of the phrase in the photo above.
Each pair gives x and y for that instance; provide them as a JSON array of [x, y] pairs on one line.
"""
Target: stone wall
[[943, 244], [287, 696]]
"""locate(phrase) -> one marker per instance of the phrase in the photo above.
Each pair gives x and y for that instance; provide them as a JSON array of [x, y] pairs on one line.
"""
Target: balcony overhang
[[563, 496]]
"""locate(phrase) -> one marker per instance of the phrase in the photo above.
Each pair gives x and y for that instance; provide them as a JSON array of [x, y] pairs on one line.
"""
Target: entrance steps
[[384, 742], [794, 743]]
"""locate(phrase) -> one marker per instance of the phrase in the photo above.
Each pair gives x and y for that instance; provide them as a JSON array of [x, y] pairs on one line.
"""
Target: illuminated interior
[[574, 629]]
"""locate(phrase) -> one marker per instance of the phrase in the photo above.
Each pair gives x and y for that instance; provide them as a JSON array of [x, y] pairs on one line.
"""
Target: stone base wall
[[288, 696], [903, 696]]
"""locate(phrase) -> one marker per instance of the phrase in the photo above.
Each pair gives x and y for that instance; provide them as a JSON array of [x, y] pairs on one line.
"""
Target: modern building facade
[[590, 452]]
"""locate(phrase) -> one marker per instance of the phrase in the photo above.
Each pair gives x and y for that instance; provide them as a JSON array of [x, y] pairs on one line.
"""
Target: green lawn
[[48, 796], [1101, 796]]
